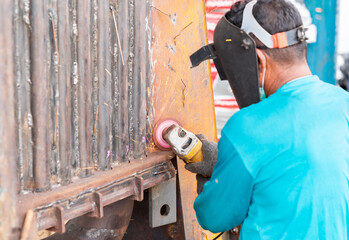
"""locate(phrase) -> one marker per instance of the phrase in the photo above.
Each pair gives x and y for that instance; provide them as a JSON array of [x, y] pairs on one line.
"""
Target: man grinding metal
[[283, 163]]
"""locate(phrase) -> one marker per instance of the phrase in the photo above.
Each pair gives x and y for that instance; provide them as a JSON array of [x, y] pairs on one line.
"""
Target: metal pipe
[[64, 76], [22, 71], [85, 87], [132, 82], [123, 18], [104, 96], [140, 75], [116, 129], [95, 80], [40, 93], [54, 103]]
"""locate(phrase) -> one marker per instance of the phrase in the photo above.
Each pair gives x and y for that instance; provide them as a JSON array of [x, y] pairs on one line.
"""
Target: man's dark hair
[[274, 16]]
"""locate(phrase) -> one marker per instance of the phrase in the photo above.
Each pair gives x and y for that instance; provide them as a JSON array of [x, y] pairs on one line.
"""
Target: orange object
[[280, 40], [181, 92]]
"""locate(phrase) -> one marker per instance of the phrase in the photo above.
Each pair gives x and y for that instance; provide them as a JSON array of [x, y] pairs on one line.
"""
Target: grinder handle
[[195, 155]]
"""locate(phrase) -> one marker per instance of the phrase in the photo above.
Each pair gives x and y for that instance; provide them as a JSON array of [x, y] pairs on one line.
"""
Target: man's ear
[[262, 65]]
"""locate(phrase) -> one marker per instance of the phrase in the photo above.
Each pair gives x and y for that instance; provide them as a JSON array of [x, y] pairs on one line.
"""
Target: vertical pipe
[[19, 93], [54, 92], [28, 169], [116, 82], [64, 74], [95, 81], [149, 78], [40, 93], [8, 149], [140, 78], [22, 71], [75, 86], [85, 86], [132, 82], [104, 76], [124, 97]]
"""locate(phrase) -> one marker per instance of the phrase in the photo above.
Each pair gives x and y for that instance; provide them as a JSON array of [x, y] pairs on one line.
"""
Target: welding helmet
[[233, 52]]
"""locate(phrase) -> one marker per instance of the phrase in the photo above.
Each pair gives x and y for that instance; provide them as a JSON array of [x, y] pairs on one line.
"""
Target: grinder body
[[183, 143]]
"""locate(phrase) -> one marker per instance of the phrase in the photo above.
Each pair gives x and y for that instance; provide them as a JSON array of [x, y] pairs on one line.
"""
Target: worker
[[282, 169]]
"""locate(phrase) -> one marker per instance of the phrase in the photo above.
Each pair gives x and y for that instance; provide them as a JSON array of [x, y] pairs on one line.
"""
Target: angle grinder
[[169, 134]]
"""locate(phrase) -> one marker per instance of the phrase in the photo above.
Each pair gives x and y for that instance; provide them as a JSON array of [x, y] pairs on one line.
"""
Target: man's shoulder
[[256, 113], [259, 122]]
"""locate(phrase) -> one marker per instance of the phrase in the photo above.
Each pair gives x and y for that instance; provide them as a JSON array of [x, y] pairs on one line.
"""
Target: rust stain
[[54, 33], [117, 34], [183, 92], [180, 32], [169, 15]]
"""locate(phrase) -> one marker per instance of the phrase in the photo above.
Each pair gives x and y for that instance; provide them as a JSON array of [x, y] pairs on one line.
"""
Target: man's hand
[[200, 182], [209, 151]]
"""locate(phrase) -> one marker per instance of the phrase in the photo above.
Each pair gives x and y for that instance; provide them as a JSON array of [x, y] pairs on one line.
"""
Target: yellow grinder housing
[[183, 143]]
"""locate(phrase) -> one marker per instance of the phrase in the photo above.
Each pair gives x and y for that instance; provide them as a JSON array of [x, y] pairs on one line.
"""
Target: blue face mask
[[262, 94], [261, 89]]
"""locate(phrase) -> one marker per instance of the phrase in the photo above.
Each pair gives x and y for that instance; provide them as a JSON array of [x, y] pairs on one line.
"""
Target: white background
[[343, 27]]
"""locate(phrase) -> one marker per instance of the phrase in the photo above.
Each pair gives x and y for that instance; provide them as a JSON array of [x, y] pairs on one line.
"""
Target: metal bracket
[[58, 212], [97, 205], [139, 189], [163, 204]]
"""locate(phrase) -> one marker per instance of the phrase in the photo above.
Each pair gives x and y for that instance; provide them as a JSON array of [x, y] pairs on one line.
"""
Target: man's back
[[290, 158]]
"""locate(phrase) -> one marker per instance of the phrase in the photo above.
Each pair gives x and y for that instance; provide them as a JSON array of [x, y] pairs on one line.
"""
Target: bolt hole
[[165, 210]]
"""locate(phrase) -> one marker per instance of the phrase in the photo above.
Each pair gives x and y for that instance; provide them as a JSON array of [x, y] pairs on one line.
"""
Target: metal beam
[[90, 195]]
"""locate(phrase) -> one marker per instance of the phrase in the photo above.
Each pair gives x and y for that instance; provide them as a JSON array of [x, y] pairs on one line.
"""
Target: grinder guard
[[235, 57]]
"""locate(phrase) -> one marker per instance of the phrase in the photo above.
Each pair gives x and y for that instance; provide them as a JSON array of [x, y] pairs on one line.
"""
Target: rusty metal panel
[[90, 79], [52, 209], [179, 91], [82, 71]]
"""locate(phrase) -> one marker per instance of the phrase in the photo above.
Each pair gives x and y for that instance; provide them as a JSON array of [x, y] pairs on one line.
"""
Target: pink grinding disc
[[158, 131]]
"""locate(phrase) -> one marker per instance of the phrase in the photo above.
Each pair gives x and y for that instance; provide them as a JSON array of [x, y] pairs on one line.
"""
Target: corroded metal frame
[[88, 196], [84, 138]]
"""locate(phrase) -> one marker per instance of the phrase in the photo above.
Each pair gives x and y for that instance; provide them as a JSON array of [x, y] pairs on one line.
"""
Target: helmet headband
[[278, 40]]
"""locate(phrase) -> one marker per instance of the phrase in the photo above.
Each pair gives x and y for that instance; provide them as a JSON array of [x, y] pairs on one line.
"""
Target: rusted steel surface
[[64, 89], [82, 71], [92, 78], [8, 145], [83, 46], [179, 91], [101, 189], [54, 217], [23, 82], [40, 93]]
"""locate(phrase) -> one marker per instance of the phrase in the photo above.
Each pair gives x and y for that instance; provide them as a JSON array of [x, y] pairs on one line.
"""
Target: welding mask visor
[[234, 55]]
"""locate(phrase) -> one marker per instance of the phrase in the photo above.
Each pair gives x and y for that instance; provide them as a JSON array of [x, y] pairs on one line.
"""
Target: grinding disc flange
[[159, 128]]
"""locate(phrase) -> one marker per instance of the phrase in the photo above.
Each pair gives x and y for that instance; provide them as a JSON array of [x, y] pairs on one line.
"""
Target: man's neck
[[282, 75]]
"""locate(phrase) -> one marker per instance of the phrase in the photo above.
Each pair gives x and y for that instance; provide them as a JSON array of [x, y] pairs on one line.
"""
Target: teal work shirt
[[283, 167]]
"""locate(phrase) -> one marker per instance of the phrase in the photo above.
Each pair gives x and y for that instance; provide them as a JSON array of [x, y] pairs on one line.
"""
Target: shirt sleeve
[[225, 199]]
